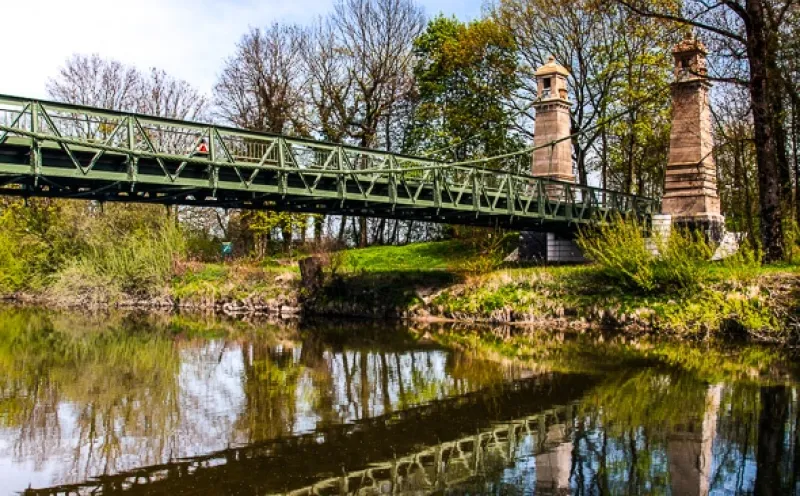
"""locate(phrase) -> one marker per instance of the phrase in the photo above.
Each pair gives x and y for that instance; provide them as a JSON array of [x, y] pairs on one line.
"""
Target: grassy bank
[[733, 299], [678, 294]]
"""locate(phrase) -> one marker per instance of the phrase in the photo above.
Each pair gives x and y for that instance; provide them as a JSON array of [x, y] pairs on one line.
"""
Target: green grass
[[439, 255]]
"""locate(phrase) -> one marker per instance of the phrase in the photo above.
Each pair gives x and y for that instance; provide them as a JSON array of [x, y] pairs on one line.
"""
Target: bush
[[624, 256], [140, 262], [17, 263]]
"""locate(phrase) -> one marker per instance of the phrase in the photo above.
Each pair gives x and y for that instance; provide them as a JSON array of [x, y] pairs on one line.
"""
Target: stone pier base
[[712, 226], [548, 248]]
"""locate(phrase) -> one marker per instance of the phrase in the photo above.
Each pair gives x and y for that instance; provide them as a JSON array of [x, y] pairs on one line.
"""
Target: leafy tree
[[618, 63], [466, 75], [749, 35]]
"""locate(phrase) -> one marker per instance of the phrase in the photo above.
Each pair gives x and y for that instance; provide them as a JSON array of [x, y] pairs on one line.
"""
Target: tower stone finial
[[690, 188], [553, 123]]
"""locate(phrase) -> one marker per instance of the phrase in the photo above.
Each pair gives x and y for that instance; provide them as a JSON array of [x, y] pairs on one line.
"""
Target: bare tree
[[330, 82], [262, 86], [360, 66], [94, 81], [106, 83], [376, 37], [161, 95]]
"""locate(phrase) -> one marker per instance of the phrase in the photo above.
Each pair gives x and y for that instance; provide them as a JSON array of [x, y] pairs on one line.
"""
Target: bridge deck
[[58, 150]]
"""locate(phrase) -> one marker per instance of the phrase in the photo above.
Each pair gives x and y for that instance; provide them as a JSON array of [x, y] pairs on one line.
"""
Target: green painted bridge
[[50, 149]]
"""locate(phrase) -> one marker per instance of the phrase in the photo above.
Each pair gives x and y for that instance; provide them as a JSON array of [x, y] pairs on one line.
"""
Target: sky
[[189, 39]]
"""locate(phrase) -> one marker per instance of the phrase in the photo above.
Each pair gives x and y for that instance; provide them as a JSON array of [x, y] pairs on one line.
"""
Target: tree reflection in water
[[287, 409]]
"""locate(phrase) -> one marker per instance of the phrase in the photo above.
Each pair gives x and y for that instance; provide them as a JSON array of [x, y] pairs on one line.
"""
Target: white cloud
[[187, 38]]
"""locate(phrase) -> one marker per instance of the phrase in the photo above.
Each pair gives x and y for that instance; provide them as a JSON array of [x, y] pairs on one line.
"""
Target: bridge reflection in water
[[424, 448], [107, 408]]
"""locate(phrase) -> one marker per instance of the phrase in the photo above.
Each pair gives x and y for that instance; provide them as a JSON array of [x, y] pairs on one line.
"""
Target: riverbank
[[439, 282], [763, 305]]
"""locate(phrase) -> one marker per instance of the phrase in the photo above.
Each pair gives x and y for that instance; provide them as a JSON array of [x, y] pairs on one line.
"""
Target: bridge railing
[[501, 186]]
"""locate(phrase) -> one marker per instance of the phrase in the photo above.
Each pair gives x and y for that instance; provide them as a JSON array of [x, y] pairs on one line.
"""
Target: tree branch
[[682, 20]]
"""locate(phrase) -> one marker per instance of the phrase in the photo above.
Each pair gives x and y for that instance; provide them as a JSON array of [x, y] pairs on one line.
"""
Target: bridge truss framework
[[52, 149]]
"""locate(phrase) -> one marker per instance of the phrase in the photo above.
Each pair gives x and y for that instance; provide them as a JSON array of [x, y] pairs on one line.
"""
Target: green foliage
[[623, 257], [440, 255], [79, 249], [36, 240], [466, 74], [254, 232], [140, 262], [16, 265]]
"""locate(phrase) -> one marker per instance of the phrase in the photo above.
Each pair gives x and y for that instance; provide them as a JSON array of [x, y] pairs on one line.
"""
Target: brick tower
[[552, 123], [553, 162], [690, 188]]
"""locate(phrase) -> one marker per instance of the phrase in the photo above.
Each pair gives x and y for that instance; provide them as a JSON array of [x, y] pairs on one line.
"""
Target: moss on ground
[[763, 304], [198, 283]]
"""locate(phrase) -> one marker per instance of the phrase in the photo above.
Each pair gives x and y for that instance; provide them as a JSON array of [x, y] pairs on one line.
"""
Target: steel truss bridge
[[58, 150], [418, 450]]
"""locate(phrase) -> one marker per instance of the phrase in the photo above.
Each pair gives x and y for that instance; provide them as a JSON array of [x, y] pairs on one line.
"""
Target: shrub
[[624, 256], [18, 264], [683, 262], [141, 262], [621, 253]]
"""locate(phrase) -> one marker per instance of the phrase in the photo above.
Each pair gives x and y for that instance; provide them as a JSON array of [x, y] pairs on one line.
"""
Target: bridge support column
[[549, 248], [553, 124], [554, 161], [554, 465], [689, 450], [690, 187]]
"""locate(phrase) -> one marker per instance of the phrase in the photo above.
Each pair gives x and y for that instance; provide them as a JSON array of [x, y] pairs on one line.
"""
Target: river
[[158, 404]]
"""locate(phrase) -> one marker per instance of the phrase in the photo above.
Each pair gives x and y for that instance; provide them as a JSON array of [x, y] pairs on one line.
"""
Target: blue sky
[[187, 38]]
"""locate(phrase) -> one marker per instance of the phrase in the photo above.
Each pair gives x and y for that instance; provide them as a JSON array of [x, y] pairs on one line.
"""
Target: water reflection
[[172, 405]]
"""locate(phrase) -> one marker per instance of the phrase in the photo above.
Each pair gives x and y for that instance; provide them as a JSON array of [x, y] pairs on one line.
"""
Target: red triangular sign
[[203, 148]]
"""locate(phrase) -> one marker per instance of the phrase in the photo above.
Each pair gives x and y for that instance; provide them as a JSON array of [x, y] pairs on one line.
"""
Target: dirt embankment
[[766, 308]]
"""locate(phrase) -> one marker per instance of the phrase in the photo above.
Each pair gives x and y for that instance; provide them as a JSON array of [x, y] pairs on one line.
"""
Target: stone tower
[[552, 123], [690, 187]]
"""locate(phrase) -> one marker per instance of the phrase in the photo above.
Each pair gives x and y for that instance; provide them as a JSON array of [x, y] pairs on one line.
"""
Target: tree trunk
[[319, 223], [357, 230], [630, 165], [604, 156], [393, 239], [580, 159], [342, 228], [362, 235], [768, 174], [771, 432], [795, 137], [303, 229], [777, 109], [287, 235], [379, 237]]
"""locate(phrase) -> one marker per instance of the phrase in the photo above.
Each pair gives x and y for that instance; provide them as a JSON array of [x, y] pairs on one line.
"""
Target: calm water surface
[[175, 405]]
